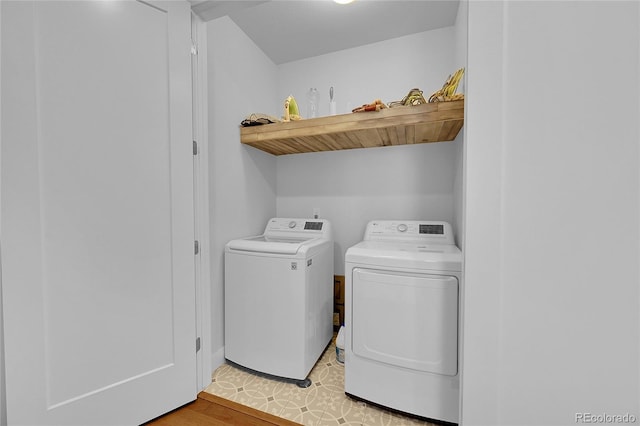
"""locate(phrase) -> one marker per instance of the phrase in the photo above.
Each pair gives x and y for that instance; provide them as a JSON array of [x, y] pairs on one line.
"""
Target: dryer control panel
[[431, 232]]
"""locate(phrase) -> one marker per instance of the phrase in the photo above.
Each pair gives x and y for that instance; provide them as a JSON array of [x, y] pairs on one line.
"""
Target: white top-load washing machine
[[402, 318], [279, 298]]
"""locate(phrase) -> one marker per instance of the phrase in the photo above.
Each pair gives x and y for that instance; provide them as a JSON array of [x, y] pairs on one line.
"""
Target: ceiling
[[289, 30]]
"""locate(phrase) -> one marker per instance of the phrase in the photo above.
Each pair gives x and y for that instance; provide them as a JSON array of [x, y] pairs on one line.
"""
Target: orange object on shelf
[[376, 105]]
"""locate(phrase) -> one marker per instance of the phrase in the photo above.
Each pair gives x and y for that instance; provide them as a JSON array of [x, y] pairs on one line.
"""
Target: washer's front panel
[[261, 320], [406, 320]]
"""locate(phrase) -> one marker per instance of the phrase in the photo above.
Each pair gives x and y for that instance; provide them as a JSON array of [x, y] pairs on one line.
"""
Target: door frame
[[201, 199], [3, 388]]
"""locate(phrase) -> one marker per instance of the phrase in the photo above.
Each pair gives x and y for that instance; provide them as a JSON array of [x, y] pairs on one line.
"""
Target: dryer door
[[406, 320]]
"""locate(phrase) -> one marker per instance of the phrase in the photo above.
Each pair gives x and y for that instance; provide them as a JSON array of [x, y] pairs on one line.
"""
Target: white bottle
[[332, 103], [312, 103]]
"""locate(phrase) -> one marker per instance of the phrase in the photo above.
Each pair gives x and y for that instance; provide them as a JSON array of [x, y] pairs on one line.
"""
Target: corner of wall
[[481, 326], [461, 35], [242, 180]]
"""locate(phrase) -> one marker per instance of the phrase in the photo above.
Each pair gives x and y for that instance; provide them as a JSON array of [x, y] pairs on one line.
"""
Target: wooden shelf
[[434, 122]]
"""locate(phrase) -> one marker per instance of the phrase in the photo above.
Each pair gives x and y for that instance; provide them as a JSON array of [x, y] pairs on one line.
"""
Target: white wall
[[552, 213], [354, 186], [386, 70], [242, 180]]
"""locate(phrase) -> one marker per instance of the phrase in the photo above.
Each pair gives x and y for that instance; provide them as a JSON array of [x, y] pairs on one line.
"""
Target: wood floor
[[211, 410]]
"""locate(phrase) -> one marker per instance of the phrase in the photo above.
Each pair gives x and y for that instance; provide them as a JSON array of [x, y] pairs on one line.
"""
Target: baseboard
[[217, 359]]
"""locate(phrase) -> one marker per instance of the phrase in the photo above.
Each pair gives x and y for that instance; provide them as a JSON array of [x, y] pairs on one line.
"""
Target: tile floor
[[321, 404]]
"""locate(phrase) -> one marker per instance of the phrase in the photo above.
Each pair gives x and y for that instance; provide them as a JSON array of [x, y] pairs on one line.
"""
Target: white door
[[97, 211]]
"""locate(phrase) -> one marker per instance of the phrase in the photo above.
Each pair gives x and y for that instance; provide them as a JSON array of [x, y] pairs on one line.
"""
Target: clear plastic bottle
[[312, 102]]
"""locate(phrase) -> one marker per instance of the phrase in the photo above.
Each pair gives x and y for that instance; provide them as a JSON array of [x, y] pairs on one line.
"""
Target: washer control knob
[[402, 227], [292, 224]]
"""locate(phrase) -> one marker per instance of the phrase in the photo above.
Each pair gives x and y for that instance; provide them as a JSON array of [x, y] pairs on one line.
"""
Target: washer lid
[[441, 257], [266, 244]]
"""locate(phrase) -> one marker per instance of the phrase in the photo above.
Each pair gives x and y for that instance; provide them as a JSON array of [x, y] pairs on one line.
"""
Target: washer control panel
[[411, 230], [295, 224], [298, 227]]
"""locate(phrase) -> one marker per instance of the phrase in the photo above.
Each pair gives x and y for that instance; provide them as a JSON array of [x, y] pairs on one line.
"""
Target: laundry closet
[[347, 187]]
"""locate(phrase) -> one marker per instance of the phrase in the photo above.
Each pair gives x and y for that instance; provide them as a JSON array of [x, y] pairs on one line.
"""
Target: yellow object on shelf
[[291, 111], [448, 91]]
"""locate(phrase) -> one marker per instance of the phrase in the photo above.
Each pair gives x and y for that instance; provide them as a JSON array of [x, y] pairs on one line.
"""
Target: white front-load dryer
[[279, 298], [402, 318]]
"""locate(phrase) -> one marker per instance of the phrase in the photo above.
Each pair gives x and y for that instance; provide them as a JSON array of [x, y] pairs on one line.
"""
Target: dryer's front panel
[[406, 320]]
